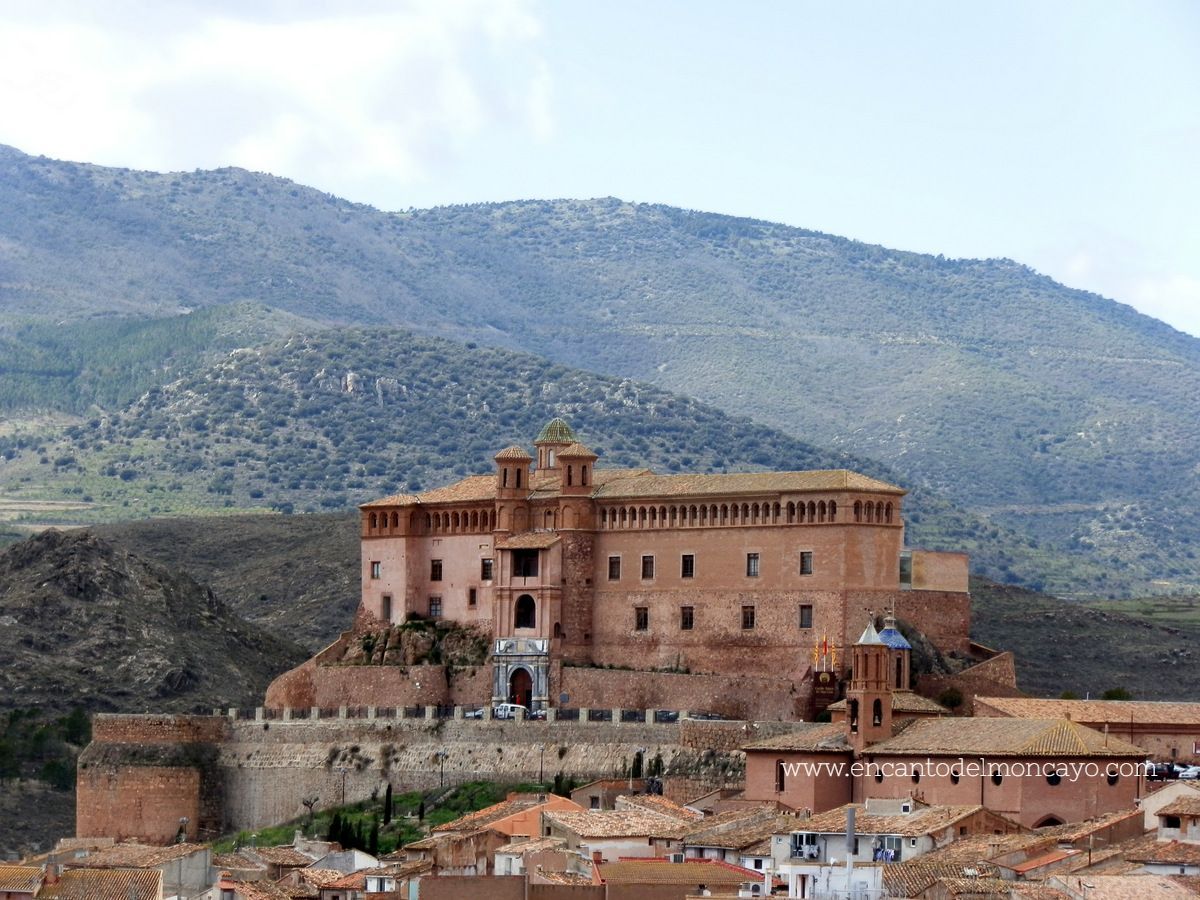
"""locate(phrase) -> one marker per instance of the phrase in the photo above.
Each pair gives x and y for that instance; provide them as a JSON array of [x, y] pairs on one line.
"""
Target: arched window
[[754, 513], [812, 511], [526, 612], [780, 776], [852, 715], [877, 712], [518, 477], [899, 673], [504, 477], [428, 522], [857, 510], [887, 514], [583, 474], [821, 511], [374, 521], [832, 510], [454, 521], [570, 475], [791, 512], [724, 513], [777, 511], [558, 632], [395, 520]]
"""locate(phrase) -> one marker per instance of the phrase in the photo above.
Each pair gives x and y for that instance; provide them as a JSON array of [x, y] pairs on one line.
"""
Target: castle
[[565, 563]]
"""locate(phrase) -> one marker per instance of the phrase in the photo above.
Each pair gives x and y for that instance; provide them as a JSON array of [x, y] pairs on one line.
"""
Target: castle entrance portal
[[521, 671], [520, 688]]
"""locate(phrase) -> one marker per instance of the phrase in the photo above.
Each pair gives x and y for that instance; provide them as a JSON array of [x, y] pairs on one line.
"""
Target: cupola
[[555, 436]]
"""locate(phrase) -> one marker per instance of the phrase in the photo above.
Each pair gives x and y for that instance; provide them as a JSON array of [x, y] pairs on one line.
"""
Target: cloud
[[350, 97], [1173, 298]]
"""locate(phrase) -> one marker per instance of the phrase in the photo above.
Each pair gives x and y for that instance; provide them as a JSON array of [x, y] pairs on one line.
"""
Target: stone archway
[[525, 614]]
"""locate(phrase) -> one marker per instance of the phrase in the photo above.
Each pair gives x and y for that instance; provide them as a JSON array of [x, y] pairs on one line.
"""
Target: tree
[[387, 805], [308, 803], [1116, 693], [335, 828], [373, 838]]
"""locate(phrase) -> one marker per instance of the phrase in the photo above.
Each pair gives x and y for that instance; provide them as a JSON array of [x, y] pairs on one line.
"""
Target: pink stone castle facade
[[567, 563]]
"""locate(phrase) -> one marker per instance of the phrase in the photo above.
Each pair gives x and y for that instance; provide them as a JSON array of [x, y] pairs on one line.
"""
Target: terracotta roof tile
[[576, 451], [1125, 887], [20, 879], [746, 834], [1168, 852], [135, 856], [709, 872], [658, 804], [260, 890], [105, 884], [481, 818], [1182, 806], [997, 736], [975, 888], [922, 820], [908, 879], [513, 452], [529, 540], [556, 431], [904, 702], [808, 737], [532, 845], [285, 855], [618, 823], [318, 877], [1115, 712], [742, 483]]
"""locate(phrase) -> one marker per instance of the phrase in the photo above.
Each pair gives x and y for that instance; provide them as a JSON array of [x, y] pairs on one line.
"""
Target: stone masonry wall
[[143, 802], [158, 729], [995, 677], [734, 696], [390, 686]]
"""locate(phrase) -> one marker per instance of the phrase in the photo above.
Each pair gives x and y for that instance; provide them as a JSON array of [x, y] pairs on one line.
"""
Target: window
[[376, 569], [647, 567], [594, 801], [525, 563], [526, 612], [435, 570], [806, 615], [435, 607], [751, 565], [906, 569], [687, 618], [386, 612], [806, 562], [641, 618], [472, 597], [780, 776], [614, 568], [687, 566], [485, 569], [747, 617]]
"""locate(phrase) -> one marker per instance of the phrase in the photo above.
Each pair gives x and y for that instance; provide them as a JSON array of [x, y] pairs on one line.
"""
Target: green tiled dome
[[556, 431]]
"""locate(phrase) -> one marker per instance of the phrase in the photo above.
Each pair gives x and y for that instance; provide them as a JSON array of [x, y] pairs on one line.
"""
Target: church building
[[566, 562]]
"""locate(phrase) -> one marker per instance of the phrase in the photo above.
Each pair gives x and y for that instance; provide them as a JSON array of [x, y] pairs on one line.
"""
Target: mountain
[[324, 421], [1061, 415], [89, 624]]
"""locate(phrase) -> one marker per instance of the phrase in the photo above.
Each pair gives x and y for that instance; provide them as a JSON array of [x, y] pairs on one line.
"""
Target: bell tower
[[575, 464], [869, 696]]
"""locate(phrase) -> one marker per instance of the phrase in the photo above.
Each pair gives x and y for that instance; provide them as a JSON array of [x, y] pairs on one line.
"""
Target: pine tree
[[373, 839], [335, 828], [387, 805]]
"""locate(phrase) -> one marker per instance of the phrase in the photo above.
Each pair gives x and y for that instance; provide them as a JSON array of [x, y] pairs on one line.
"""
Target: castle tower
[[512, 489], [576, 463], [869, 696], [554, 437]]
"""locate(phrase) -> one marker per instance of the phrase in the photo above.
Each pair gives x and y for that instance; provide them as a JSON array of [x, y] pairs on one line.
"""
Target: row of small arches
[[873, 512], [465, 522], [724, 514]]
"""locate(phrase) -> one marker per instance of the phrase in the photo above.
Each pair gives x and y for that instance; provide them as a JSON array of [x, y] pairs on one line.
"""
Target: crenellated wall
[[266, 766]]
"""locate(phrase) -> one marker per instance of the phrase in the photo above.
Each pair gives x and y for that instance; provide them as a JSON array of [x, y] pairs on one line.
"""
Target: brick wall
[[578, 561], [153, 729], [995, 677], [734, 696], [334, 686], [141, 802]]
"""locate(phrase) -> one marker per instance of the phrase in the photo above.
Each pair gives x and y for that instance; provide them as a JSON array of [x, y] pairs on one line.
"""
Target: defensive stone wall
[[733, 696], [995, 677], [158, 729], [330, 686], [266, 766]]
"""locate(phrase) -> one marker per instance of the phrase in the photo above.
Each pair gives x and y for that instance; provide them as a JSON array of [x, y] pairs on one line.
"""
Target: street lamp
[[542, 765], [343, 772]]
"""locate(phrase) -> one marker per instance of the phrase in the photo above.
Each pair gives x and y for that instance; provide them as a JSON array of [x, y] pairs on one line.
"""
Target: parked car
[[666, 715], [476, 713], [711, 716], [1191, 772], [508, 710]]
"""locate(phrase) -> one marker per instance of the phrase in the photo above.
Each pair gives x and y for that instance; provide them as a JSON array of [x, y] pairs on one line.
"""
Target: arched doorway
[[1049, 822], [526, 612], [520, 688]]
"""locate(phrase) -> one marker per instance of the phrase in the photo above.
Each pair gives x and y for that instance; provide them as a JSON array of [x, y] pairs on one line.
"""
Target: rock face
[[89, 624]]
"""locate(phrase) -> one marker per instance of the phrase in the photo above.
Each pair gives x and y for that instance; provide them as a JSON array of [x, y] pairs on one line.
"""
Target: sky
[[1064, 135]]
